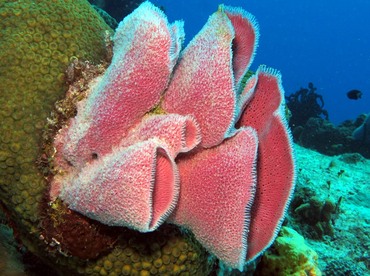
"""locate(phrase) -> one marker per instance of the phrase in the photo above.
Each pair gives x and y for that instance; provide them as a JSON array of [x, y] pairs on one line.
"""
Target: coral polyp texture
[[38, 39], [172, 136]]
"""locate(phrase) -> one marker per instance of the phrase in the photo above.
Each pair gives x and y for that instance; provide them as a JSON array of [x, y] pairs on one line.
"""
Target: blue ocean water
[[324, 42]]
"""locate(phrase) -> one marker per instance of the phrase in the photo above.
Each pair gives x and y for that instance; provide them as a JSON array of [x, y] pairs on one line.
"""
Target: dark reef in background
[[118, 9], [305, 104], [312, 129], [111, 22], [321, 135]]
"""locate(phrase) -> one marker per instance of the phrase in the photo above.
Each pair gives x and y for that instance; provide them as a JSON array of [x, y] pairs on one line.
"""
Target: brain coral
[[38, 39]]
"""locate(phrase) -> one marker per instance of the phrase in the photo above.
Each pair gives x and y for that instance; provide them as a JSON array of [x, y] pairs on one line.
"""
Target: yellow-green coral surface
[[159, 253], [38, 40], [289, 255]]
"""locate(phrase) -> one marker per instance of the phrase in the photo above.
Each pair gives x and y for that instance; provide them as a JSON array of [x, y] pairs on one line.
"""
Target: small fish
[[354, 94]]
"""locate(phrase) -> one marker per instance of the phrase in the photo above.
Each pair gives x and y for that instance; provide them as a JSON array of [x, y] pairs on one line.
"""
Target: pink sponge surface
[[218, 162], [276, 174], [202, 85], [217, 191], [180, 133], [135, 187], [131, 86], [245, 42]]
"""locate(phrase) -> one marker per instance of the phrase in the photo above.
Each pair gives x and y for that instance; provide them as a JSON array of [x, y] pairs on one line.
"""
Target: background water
[[324, 42]]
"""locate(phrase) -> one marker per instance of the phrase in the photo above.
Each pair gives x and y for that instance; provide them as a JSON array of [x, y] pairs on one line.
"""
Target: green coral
[[38, 42], [289, 255], [160, 253], [38, 39], [318, 216]]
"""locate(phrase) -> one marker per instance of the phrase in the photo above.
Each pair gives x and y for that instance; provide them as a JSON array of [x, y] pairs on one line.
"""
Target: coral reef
[[305, 104], [107, 18], [118, 9], [345, 183], [37, 42], [63, 229], [116, 150], [362, 133], [352, 158], [312, 129], [343, 268], [322, 136], [316, 213], [289, 255], [162, 252]]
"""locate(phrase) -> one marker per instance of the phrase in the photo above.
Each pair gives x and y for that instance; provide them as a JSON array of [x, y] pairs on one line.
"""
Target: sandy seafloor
[[351, 181]]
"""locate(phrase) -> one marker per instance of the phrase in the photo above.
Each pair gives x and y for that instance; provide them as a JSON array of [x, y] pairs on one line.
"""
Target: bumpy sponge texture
[[38, 39]]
